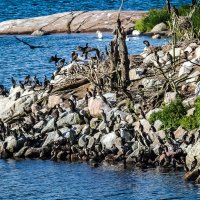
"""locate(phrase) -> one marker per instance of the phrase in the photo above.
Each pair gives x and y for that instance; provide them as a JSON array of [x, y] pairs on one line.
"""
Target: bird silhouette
[[31, 46]]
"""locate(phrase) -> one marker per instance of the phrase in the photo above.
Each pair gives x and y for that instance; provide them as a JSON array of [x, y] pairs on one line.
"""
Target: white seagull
[[136, 33], [99, 35]]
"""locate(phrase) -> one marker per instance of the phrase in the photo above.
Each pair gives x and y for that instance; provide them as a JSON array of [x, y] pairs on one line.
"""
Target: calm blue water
[[46, 180], [10, 9]]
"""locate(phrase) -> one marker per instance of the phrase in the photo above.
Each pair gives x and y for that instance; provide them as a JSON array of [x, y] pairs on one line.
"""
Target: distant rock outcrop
[[71, 22]]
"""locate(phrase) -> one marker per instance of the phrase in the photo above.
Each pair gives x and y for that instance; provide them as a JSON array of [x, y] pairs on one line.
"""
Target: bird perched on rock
[[141, 127], [57, 130], [13, 82], [55, 114], [17, 96], [160, 140], [89, 93], [60, 109], [74, 56], [21, 85], [27, 80], [103, 98], [194, 163], [168, 5], [46, 82], [150, 49], [61, 63], [72, 106], [191, 139], [169, 58], [86, 99]]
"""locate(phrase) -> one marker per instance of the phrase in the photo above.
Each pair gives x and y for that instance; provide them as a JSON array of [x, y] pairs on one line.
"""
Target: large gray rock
[[79, 21], [159, 27], [108, 140], [17, 106], [111, 97], [48, 127], [20, 153], [64, 120], [32, 152], [145, 124], [95, 107], [83, 140], [70, 119], [125, 134], [148, 83], [70, 134], [39, 126], [11, 144], [53, 136]]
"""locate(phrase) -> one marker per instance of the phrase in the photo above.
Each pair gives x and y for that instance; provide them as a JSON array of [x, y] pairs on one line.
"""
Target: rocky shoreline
[[70, 22], [76, 116]]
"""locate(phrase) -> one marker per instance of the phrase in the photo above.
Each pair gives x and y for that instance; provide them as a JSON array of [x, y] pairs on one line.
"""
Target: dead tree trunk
[[114, 59], [123, 55]]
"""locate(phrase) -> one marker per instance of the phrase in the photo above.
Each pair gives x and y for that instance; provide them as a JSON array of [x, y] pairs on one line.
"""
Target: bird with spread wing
[[31, 46]]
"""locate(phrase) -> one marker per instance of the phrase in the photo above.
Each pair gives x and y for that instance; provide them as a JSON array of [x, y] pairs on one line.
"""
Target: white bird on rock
[[136, 33], [99, 35]]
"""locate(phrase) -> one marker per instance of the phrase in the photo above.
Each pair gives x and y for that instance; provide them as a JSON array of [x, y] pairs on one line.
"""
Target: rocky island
[[136, 111]]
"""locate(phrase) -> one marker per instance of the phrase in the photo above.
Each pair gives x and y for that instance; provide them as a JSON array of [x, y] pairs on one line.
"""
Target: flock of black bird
[[170, 155]]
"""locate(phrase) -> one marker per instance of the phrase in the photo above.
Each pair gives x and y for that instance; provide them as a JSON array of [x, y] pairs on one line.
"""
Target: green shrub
[[197, 111], [156, 16], [153, 18], [170, 115], [189, 122], [174, 115]]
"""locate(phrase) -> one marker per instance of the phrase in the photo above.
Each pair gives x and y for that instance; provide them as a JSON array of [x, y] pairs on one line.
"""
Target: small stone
[[90, 143], [156, 36], [161, 133], [83, 140], [179, 133], [152, 111], [39, 33], [94, 122], [169, 97], [190, 112], [53, 100], [133, 75], [159, 27], [158, 124]]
